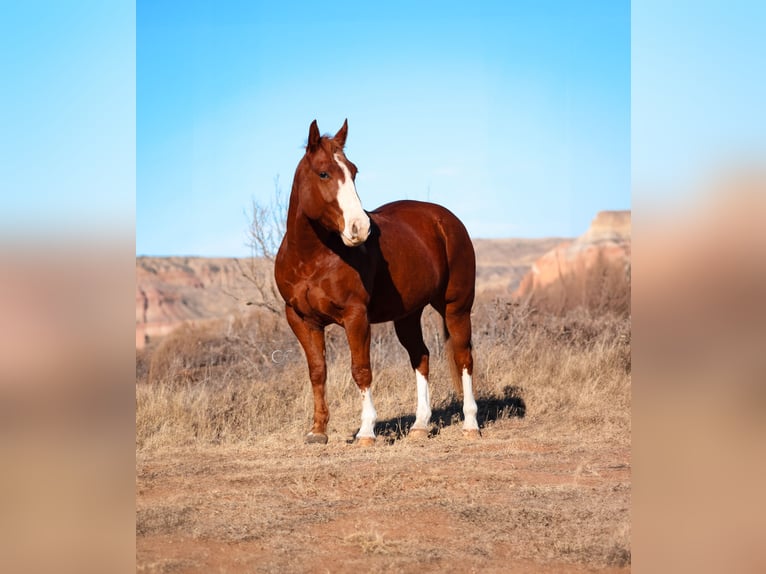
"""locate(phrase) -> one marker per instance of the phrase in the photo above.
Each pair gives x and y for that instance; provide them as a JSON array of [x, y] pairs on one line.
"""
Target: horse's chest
[[315, 298], [324, 288]]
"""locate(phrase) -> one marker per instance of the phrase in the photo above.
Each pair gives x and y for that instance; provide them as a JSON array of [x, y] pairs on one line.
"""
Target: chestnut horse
[[340, 264]]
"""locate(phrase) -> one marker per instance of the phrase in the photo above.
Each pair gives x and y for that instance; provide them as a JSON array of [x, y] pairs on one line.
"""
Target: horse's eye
[[324, 175]]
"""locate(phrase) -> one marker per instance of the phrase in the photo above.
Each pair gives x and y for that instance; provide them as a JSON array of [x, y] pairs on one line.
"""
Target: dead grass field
[[224, 482]]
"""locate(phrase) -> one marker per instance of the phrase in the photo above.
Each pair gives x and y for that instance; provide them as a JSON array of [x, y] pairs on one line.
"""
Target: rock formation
[[593, 271]]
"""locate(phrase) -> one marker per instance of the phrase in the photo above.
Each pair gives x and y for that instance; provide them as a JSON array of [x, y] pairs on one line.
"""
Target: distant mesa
[[592, 271]]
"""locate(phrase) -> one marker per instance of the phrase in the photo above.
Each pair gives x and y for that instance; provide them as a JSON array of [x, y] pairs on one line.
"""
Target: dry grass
[[225, 483]]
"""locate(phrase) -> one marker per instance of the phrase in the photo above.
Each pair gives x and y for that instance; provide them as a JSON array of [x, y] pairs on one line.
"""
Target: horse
[[338, 263]]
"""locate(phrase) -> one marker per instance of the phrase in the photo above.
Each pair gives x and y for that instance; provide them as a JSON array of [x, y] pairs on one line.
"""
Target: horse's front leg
[[358, 333], [311, 338]]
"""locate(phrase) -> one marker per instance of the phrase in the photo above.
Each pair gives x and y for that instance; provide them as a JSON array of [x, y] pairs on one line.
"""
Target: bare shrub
[[264, 235]]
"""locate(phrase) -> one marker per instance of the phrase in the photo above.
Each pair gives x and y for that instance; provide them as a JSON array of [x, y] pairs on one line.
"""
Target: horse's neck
[[303, 236], [307, 239]]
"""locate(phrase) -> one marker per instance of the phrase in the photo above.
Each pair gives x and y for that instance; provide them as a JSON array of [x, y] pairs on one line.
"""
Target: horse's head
[[326, 190]]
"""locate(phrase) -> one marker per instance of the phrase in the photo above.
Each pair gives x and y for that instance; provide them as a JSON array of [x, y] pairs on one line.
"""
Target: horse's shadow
[[491, 408]]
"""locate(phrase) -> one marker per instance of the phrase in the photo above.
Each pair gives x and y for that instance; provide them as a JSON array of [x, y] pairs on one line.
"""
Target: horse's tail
[[457, 381]]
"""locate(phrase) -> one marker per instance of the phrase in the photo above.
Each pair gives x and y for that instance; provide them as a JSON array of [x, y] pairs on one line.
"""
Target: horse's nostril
[[354, 230]]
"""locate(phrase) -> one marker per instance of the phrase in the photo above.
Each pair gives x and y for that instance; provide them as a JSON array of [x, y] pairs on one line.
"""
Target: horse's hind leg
[[458, 323], [410, 334]]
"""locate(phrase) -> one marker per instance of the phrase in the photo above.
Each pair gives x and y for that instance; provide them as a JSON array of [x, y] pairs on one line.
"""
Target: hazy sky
[[167, 117], [515, 115]]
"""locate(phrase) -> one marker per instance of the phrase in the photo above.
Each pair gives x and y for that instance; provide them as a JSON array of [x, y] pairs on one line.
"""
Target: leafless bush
[[264, 236]]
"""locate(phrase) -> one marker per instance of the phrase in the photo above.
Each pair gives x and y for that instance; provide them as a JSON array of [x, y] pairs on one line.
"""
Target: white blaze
[[423, 414], [369, 416], [469, 403], [356, 224]]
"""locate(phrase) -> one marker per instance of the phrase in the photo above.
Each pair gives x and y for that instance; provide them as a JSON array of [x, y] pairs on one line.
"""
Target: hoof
[[418, 434], [471, 434], [365, 441], [313, 438]]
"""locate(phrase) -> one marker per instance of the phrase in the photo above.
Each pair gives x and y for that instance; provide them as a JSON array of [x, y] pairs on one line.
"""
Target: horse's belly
[[404, 288]]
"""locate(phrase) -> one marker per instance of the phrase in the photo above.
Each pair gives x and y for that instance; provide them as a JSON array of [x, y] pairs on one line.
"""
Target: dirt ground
[[516, 500]]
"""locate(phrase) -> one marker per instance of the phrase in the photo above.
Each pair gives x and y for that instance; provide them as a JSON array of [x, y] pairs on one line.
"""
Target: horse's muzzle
[[357, 232]]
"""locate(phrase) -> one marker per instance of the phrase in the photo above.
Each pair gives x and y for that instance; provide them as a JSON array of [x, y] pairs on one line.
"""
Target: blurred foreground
[[699, 397], [66, 407]]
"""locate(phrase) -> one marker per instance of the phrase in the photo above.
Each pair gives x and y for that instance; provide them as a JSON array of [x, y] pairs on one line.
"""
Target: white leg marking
[[423, 414], [356, 223], [369, 416], [469, 403]]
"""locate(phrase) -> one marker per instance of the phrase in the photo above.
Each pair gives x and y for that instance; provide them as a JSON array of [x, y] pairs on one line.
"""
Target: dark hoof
[[418, 434], [365, 441], [313, 438]]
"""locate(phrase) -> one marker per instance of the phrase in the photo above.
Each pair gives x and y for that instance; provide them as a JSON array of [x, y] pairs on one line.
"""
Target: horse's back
[[428, 257]]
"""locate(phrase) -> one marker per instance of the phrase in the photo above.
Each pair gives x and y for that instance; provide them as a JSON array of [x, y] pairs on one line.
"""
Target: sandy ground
[[516, 500]]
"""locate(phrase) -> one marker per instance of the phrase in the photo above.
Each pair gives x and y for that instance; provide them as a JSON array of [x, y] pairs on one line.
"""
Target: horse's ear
[[314, 137], [340, 137]]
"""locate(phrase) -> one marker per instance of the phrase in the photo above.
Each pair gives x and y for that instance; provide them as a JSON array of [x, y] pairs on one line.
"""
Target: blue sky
[[164, 119], [514, 115]]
